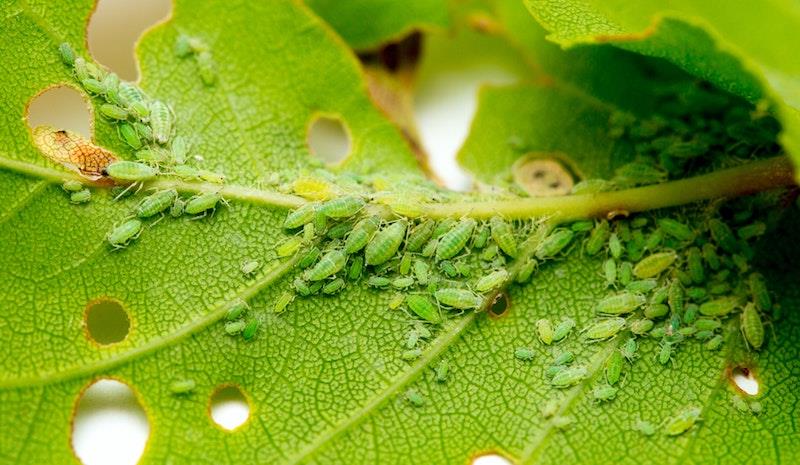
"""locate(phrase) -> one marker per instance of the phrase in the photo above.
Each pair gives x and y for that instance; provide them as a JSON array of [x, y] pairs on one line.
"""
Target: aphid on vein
[[296, 218], [330, 264], [361, 234], [249, 266], [342, 207], [121, 235], [201, 203], [289, 246], [82, 196], [545, 330], [161, 121], [751, 326], [604, 393], [683, 421], [424, 308], [130, 171], [72, 151], [458, 298], [503, 235], [452, 242], [654, 264], [156, 203], [385, 243], [624, 302], [492, 280]]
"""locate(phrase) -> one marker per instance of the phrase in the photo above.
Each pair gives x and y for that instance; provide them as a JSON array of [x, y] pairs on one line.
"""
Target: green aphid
[[604, 393], [756, 408], [420, 235], [250, 329], [694, 264], [641, 326], [309, 258], [160, 121], [554, 243], [720, 306], [211, 176], [448, 268], [707, 324], [458, 298], [301, 287], [592, 186], [333, 287], [682, 422], [361, 234], [664, 353], [676, 298], [82, 196], [236, 311], [714, 343], [752, 230], [604, 329], [759, 292], [562, 423], [660, 295], [628, 349], [414, 398], [741, 262], [94, 86], [442, 369], [618, 304], [654, 240], [207, 68], [614, 246], [309, 232], [704, 335], [156, 157], [581, 226], [675, 321], [424, 308], [564, 358], [503, 235], [402, 283], [524, 353], [526, 271], [491, 281], [156, 203], [723, 235], [342, 207], [710, 256], [182, 386], [644, 427], [385, 243], [338, 231], [739, 404], [656, 311], [597, 239], [563, 328], [330, 264], [751, 326], [610, 272], [452, 242], [544, 329], [553, 370], [283, 301], [489, 253], [131, 94], [690, 315], [411, 354], [67, 54], [80, 66], [179, 149], [639, 222], [676, 229], [654, 264], [301, 216], [378, 282], [430, 248], [201, 203], [569, 376], [638, 173], [683, 277], [72, 186], [233, 328], [421, 271], [642, 286], [659, 332], [129, 135], [613, 367], [132, 171], [405, 264], [123, 234], [249, 266], [113, 112], [356, 268], [177, 208], [289, 246], [696, 293], [687, 331], [625, 273], [481, 237], [442, 227]]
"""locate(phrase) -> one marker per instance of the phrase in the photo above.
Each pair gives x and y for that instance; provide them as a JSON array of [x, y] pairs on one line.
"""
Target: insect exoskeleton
[[683, 421], [554, 243], [289, 246], [524, 353], [492, 281], [385, 243], [563, 328], [453, 241], [330, 264], [569, 376], [361, 234], [160, 121], [249, 266], [124, 233], [614, 367], [81, 196], [333, 287], [182, 386], [618, 304], [177, 208], [665, 352], [751, 326], [250, 329], [414, 398], [342, 207], [297, 218], [503, 235], [598, 237], [130, 171], [202, 203], [544, 330], [442, 369], [420, 235], [654, 265], [424, 308], [604, 393], [604, 329], [720, 306], [156, 203], [760, 293], [458, 298]]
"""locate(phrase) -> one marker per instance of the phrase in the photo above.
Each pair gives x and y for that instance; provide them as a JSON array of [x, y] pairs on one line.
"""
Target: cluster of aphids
[[147, 126]]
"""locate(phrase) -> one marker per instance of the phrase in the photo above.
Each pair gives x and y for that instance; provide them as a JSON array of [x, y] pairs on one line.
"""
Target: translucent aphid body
[[605, 329], [160, 121], [654, 264], [503, 236], [683, 421], [424, 308], [452, 242], [131, 171], [156, 203], [202, 202], [342, 207], [524, 353], [385, 243], [544, 330], [613, 367], [751, 326], [121, 235], [330, 264], [624, 302], [458, 298], [554, 243], [301, 216], [420, 235], [491, 281], [597, 239], [361, 234], [569, 376]]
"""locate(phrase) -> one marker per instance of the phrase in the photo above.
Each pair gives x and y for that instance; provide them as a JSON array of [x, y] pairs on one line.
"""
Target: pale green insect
[[723, 236], [714, 343], [385, 243], [707, 324], [249, 266], [201, 203], [442, 369], [696, 293], [604, 393], [604, 329], [113, 112], [414, 398], [613, 367], [756, 408], [554, 243], [492, 280], [642, 286], [751, 326], [301, 216], [131, 95], [342, 207], [337, 231], [481, 237], [330, 264], [564, 358], [378, 281], [463, 268], [402, 283], [211, 176], [453, 241], [720, 307], [309, 231], [654, 240], [624, 302], [739, 403], [72, 186], [94, 86], [644, 427], [82, 196], [658, 333], [545, 330], [442, 227], [656, 311], [67, 54], [396, 301], [236, 310], [660, 295], [553, 370], [156, 203], [250, 329], [719, 288], [503, 235], [694, 264], [301, 287], [687, 331], [129, 135], [610, 271], [654, 264], [665, 353], [526, 271], [710, 256], [569, 376], [524, 353], [182, 386], [458, 298], [489, 253], [421, 272], [597, 239], [405, 264], [283, 301], [160, 121], [424, 308], [233, 328], [625, 273], [411, 354], [675, 298], [121, 235], [133, 171], [563, 328], [356, 267], [690, 315], [207, 68], [628, 349], [448, 268], [309, 258], [332, 287], [683, 421], [179, 148], [759, 292], [752, 230], [562, 423], [614, 246], [430, 248], [676, 229], [704, 335], [289, 246], [80, 66], [641, 326], [420, 235]]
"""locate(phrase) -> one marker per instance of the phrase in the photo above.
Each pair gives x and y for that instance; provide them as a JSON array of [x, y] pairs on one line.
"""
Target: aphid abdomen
[[342, 207], [503, 235], [361, 234], [330, 264], [156, 203], [385, 244], [424, 308], [752, 326], [458, 298], [452, 242]]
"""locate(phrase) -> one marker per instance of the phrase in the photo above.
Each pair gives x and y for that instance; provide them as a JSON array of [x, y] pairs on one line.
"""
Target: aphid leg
[[124, 192], [158, 220]]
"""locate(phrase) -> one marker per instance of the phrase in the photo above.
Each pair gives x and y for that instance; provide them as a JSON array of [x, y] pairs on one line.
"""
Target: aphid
[[448, 269], [202, 202], [524, 353], [249, 266], [569, 376], [545, 330], [723, 235], [714, 343], [644, 427], [604, 393], [625, 273], [405, 264], [72, 186], [452, 242], [691, 313], [309, 258], [236, 310], [80, 66], [696, 293], [121, 235], [233, 328], [656, 311], [385, 243], [424, 308], [301, 216], [289, 246], [250, 329], [675, 322], [614, 246], [752, 230], [759, 292], [82, 196], [564, 358], [503, 235], [704, 335], [129, 135], [182, 386], [283, 301], [756, 408], [654, 240], [463, 268], [330, 264], [687, 331], [675, 298], [378, 281], [628, 349], [624, 302], [720, 306], [301, 287], [751, 326], [414, 398], [600, 234], [638, 173], [641, 326], [442, 369], [420, 235], [94, 86], [355, 269], [458, 298], [739, 404], [207, 68], [553, 370], [430, 248], [562, 423], [113, 112], [707, 324], [67, 54], [134, 171], [337, 231], [396, 301], [411, 354], [131, 95], [682, 422], [525, 271], [421, 271], [332, 287], [642, 286], [659, 295], [658, 333], [554, 243], [610, 271], [402, 283], [481, 237], [492, 280], [156, 203], [605, 329], [654, 264], [613, 367], [563, 328], [665, 353], [710, 256], [582, 226], [342, 207], [160, 121], [676, 229], [442, 227]]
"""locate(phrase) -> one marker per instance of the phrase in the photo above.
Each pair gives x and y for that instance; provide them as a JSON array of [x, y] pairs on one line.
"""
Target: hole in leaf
[[328, 139], [743, 379], [109, 425], [115, 27], [229, 407], [106, 321], [61, 107], [490, 459], [500, 305], [543, 174]]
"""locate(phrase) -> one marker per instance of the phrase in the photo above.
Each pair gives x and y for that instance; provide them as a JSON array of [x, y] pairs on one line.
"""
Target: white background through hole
[[747, 384], [60, 107], [491, 459], [229, 408], [328, 140]]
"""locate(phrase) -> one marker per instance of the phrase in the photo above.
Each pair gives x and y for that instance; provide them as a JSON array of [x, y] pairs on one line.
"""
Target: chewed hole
[[541, 175], [743, 379], [490, 459], [328, 139], [500, 305], [109, 425], [229, 408], [115, 27], [61, 107], [106, 321]]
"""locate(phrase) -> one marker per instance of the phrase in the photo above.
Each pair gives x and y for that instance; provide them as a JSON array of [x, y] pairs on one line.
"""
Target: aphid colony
[[147, 126]]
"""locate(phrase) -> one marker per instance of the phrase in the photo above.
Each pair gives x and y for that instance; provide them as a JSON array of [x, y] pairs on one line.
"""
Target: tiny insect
[[424, 308], [236, 310], [656, 311], [123, 234], [544, 330], [720, 306], [249, 266], [687, 331], [654, 265], [481, 237], [250, 329], [613, 367], [642, 286], [289, 246], [694, 263], [628, 349], [448, 268], [641, 326], [654, 240], [113, 112], [554, 243], [405, 264], [569, 376], [690, 315], [524, 353], [420, 235], [402, 283], [707, 324], [396, 301], [756, 408], [563, 328], [330, 264], [625, 273], [644, 427], [356, 268], [378, 281], [430, 248], [129, 135], [82, 196], [710, 256], [696, 293], [600, 234], [342, 207], [207, 68], [67, 54], [562, 423], [385, 243], [676, 229], [442, 369], [751, 326], [723, 236], [526, 271], [605, 329], [714, 343], [759, 291], [458, 298], [134, 171], [752, 230], [332, 287], [638, 173], [704, 335], [414, 398], [660, 295], [72, 186], [658, 333], [156, 203], [421, 272], [301, 216], [665, 353], [442, 227], [683, 421], [614, 246], [503, 235], [233, 328], [201, 203], [309, 258], [463, 268], [489, 253], [618, 304], [564, 358], [492, 280], [160, 121], [453, 241], [604, 393], [182, 386], [553, 370], [675, 298], [610, 271], [411, 354]]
